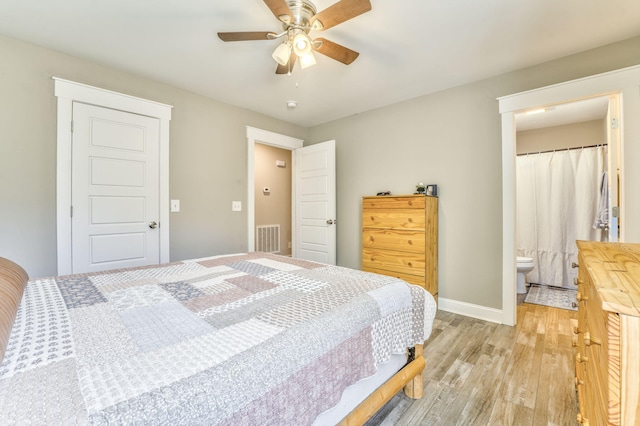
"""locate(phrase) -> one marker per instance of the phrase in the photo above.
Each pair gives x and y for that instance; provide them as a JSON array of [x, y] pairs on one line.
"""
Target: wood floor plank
[[541, 410], [488, 388], [531, 386], [502, 413], [481, 373]]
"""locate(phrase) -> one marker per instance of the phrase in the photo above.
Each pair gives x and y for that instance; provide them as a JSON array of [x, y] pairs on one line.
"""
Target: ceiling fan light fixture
[[307, 60], [301, 44], [282, 53]]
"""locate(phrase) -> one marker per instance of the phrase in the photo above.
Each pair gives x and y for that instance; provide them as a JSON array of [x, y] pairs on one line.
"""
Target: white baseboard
[[470, 310]]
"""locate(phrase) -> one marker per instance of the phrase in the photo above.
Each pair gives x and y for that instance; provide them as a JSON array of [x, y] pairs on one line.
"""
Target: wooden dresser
[[608, 334], [400, 238]]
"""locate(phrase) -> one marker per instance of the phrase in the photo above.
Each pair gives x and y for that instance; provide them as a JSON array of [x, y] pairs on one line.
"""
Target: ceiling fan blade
[[280, 9], [246, 36], [335, 51], [340, 12], [284, 69]]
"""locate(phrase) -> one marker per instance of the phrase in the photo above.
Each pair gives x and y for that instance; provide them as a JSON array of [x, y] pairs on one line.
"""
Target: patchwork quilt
[[239, 339]]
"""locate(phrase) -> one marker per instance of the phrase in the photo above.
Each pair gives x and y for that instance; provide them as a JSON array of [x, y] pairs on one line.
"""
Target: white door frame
[[68, 92], [266, 137], [625, 82]]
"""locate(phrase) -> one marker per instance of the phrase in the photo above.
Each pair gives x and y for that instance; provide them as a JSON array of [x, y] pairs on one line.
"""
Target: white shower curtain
[[557, 201]]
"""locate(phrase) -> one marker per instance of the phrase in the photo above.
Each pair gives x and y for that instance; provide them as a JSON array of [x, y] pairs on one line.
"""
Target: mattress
[[250, 338]]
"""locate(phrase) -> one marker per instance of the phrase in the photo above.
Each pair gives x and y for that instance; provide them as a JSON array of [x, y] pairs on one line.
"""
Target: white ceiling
[[407, 48]]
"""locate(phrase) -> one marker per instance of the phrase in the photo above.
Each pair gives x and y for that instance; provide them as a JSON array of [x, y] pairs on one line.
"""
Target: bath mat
[[556, 297]]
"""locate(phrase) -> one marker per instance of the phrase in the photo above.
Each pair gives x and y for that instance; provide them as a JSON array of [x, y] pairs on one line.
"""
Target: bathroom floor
[[556, 297]]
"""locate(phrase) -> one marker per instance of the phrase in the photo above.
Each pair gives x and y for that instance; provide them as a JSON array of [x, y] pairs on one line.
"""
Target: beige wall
[[451, 138], [273, 208], [586, 133], [207, 157]]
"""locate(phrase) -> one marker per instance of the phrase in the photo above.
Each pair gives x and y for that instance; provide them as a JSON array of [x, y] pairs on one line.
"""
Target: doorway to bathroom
[[624, 83], [562, 186]]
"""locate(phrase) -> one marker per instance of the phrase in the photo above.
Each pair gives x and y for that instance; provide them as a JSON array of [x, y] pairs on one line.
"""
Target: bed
[[250, 338]]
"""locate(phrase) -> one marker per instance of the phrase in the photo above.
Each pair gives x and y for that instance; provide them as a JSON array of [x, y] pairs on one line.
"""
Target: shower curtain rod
[[562, 149]]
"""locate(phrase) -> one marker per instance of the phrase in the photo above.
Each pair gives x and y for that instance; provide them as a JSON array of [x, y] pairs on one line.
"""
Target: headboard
[[12, 282]]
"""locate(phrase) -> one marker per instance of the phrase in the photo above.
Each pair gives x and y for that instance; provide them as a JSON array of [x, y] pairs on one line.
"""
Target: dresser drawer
[[594, 408], [581, 388], [394, 261], [412, 279], [596, 340], [392, 239], [394, 219], [394, 202]]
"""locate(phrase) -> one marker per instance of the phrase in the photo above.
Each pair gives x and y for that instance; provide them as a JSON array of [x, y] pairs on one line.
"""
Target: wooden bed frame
[[13, 280], [409, 378]]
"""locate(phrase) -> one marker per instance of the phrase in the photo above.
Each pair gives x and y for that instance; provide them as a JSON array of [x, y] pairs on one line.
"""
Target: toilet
[[525, 265]]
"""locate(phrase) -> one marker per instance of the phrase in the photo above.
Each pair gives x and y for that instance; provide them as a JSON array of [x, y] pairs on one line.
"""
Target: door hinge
[[615, 211], [614, 123], [71, 211], [71, 126]]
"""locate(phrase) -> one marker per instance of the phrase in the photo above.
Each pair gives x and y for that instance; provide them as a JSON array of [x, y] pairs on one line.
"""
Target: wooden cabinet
[[400, 238], [608, 334]]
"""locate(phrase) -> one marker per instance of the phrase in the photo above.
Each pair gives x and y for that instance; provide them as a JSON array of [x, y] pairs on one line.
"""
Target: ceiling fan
[[298, 18]]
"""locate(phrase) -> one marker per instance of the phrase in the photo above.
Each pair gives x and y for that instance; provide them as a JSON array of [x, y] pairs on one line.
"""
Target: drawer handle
[[574, 343], [576, 330], [577, 281], [578, 382], [581, 297], [588, 340], [574, 265], [581, 358]]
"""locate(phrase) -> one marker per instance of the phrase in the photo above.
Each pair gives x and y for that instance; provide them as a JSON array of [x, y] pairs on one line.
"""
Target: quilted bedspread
[[240, 339]]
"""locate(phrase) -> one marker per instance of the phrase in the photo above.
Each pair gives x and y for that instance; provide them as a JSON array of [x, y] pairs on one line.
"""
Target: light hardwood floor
[[481, 373]]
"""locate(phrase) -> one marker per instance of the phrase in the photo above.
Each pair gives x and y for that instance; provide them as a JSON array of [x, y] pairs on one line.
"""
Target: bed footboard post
[[414, 388], [12, 281]]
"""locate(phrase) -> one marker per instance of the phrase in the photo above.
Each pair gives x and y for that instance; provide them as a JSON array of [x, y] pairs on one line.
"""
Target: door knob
[[153, 225]]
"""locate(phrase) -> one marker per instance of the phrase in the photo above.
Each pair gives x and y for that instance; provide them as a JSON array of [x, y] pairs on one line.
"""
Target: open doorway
[[622, 83], [257, 137], [562, 191], [272, 174]]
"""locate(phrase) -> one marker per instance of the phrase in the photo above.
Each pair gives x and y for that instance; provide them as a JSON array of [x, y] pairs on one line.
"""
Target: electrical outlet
[[236, 206]]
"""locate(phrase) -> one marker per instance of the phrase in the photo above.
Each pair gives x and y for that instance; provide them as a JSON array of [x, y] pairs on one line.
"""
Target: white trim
[[623, 81], [63, 186], [68, 92], [266, 137], [509, 271], [106, 98], [470, 310]]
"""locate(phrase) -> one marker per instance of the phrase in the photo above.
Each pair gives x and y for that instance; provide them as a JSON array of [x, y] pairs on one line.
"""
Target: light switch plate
[[175, 206], [236, 206]]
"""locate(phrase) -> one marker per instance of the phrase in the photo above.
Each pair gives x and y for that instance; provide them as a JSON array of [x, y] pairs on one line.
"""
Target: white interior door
[[315, 203], [115, 189], [613, 140]]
